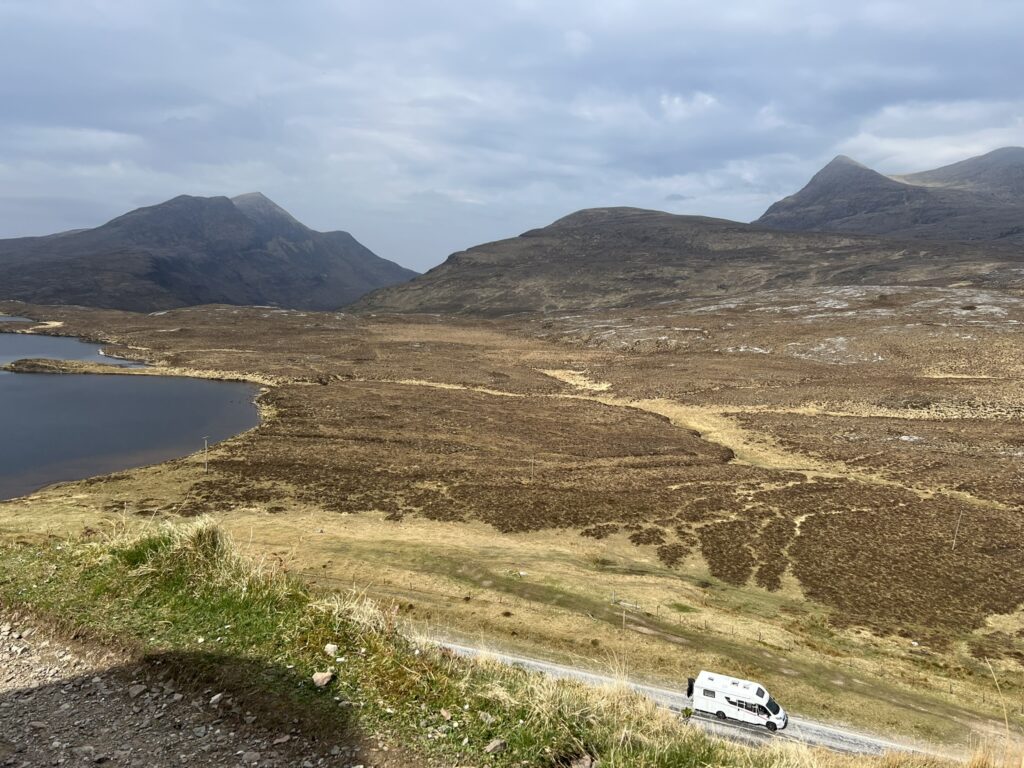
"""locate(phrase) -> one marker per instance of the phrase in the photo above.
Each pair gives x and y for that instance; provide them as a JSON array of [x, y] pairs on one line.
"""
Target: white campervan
[[729, 697]]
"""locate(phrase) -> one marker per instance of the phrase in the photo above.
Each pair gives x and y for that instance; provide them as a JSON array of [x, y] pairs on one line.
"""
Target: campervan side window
[[709, 694], [740, 704], [760, 693]]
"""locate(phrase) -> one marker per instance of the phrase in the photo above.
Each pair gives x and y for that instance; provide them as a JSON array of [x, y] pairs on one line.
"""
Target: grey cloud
[[424, 128]]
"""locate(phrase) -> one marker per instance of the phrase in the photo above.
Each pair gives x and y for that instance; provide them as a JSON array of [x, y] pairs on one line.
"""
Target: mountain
[[981, 198], [998, 174], [606, 257], [195, 250], [267, 215]]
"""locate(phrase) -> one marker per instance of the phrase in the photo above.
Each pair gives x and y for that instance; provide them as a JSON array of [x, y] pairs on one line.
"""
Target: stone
[[321, 679], [331, 650], [250, 757], [216, 699], [134, 691], [496, 746]]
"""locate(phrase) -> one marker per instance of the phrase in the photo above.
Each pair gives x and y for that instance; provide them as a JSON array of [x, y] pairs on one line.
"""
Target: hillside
[[195, 250], [999, 174], [981, 198], [607, 257], [297, 676]]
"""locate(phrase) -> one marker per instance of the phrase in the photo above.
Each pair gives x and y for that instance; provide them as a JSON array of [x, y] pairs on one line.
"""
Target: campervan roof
[[727, 684]]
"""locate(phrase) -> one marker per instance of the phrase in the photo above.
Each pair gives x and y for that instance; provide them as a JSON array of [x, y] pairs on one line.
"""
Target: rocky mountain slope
[[981, 198], [195, 250], [607, 257]]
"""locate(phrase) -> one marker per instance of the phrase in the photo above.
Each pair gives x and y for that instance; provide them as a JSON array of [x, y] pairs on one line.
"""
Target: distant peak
[[845, 170], [844, 160], [257, 200], [252, 197], [261, 209], [1006, 154], [595, 215], [998, 174]]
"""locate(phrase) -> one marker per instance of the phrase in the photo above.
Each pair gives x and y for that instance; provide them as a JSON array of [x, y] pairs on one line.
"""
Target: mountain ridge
[[617, 257], [980, 198], [999, 173], [195, 250]]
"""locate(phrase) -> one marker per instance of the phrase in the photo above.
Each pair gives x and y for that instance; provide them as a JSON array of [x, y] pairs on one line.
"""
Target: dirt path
[[61, 703]]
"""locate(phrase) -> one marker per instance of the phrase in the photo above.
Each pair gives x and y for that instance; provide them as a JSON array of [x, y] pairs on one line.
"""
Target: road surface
[[799, 729]]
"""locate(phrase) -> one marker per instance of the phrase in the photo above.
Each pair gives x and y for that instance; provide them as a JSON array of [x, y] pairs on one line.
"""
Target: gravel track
[[802, 730], [66, 703]]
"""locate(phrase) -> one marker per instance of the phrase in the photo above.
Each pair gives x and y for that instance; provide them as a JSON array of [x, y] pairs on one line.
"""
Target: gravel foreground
[[64, 703]]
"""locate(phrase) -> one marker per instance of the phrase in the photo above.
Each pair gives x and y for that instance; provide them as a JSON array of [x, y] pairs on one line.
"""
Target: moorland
[[814, 486]]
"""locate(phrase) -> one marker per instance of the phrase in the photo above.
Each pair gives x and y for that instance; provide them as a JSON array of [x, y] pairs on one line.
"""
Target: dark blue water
[[55, 428], [18, 346]]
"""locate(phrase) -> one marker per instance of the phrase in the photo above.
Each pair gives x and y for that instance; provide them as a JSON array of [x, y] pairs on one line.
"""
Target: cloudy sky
[[427, 127]]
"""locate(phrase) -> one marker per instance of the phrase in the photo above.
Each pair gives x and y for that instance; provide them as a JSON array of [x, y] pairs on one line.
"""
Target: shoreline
[[51, 367]]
